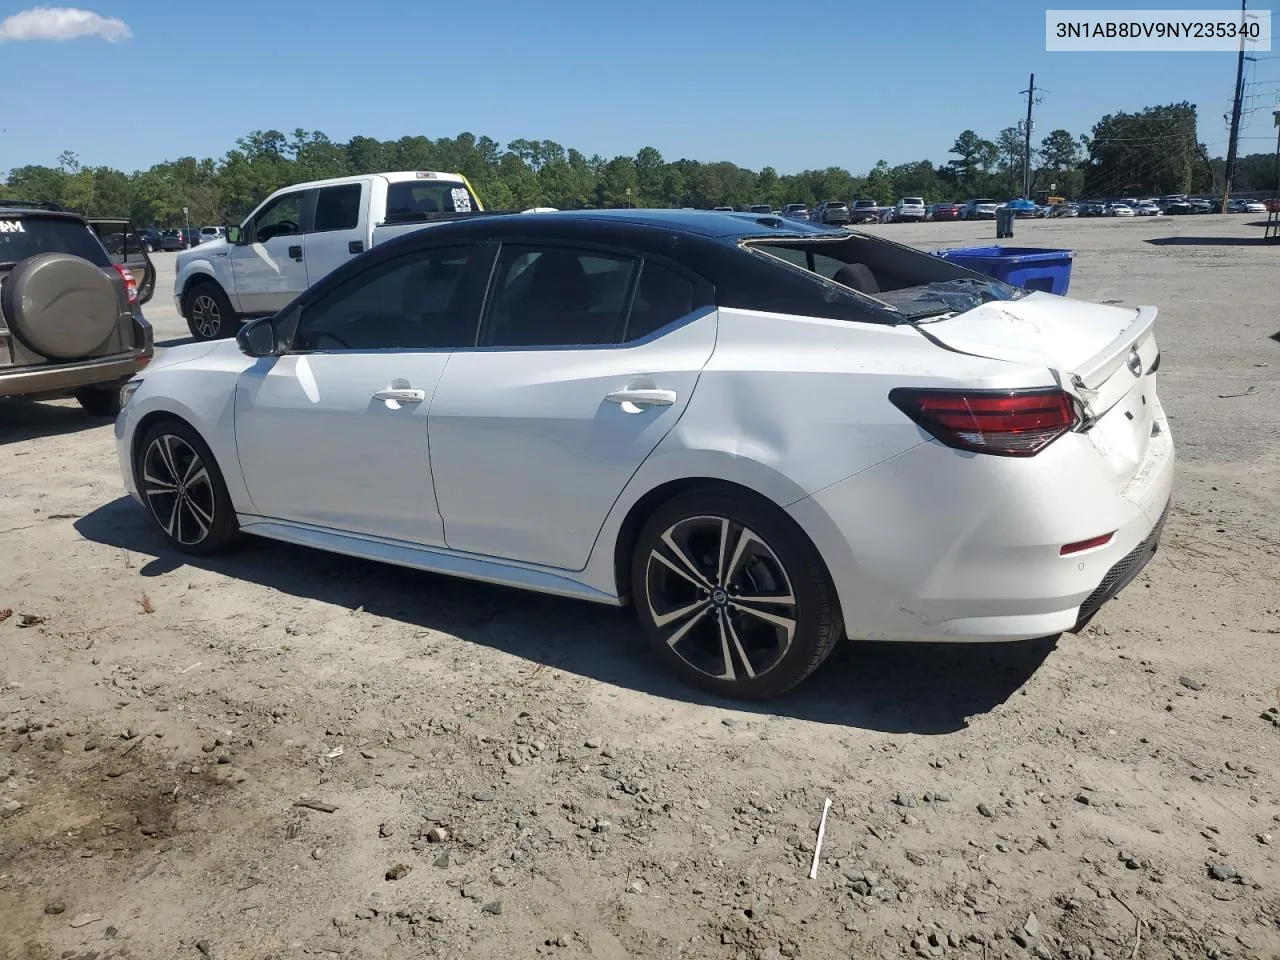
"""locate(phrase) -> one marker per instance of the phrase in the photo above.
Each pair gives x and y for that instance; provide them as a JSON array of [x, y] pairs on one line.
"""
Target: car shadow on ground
[[895, 688], [1209, 241], [174, 342], [27, 419]]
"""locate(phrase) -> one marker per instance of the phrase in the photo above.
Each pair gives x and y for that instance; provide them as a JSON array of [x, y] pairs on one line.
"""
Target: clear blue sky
[[796, 84]]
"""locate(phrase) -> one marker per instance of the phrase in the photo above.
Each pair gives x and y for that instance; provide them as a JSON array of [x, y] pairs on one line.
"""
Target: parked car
[[212, 233], [1245, 205], [796, 211], [979, 210], [864, 211], [563, 468], [300, 234], [1203, 205], [760, 208], [832, 213], [944, 211], [171, 240], [150, 239], [908, 209], [126, 247], [1177, 206], [1064, 210], [70, 327], [724, 210], [1119, 210], [1022, 208], [1147, 208]]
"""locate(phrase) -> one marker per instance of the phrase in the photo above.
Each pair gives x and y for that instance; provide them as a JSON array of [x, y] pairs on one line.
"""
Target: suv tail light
[[130, 284], [1012, 423]]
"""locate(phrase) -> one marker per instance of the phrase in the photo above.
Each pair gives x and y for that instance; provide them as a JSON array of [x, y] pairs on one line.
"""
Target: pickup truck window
[[554, 296], [338, 208], [414, 197], [281, 217], [409, 303]]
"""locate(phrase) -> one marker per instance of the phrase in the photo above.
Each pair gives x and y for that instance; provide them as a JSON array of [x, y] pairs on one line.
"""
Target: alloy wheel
[[206, 316], [178, 489], [720, 598]]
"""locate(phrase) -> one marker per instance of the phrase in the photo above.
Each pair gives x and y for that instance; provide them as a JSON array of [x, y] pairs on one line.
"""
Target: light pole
[[1275, 187]]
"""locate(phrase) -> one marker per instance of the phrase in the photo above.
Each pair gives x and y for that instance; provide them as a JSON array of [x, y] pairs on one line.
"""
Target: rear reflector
[[1089, 544], [1005, 423]]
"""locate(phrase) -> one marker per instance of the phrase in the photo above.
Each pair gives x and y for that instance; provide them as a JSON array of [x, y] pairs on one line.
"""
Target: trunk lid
[[1104, 355]]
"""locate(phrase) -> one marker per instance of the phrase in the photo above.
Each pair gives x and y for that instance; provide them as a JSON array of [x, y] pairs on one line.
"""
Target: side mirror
[[235, 236], [257, 338]]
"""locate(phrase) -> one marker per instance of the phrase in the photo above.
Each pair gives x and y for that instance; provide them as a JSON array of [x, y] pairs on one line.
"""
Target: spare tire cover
[[60, 305]]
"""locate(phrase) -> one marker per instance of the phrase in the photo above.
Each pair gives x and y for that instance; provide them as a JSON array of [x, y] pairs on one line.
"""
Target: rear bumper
[[52, 380], [938, 545]]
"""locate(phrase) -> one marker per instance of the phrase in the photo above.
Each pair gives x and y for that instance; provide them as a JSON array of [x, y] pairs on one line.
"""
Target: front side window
[[415, 302], [281, 217], [557, 296]]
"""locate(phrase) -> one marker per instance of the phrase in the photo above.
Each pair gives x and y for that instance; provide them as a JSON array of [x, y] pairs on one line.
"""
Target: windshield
[[30, 235]]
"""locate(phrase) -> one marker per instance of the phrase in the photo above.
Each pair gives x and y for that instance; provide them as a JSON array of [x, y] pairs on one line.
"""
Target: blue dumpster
[[1031, 268]]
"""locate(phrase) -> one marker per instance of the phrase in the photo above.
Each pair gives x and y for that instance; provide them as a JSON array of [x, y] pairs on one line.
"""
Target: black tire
[[691, 616], [209, 313], [100, 401], [197, 516]]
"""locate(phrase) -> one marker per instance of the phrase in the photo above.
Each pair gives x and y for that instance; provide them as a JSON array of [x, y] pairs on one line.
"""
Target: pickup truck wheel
[[209, 313]]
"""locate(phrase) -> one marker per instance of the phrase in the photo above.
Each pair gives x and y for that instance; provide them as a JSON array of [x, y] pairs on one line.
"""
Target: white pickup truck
[[301, 233]]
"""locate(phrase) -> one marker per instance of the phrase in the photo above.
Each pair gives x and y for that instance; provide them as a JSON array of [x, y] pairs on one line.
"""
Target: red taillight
[[130, 284], [1013, 423]]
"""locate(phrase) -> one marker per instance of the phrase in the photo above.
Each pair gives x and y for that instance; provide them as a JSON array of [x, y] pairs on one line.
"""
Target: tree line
[[1151, 152]]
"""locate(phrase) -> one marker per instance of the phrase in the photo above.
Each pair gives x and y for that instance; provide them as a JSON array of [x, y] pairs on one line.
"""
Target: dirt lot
[[509, 776]]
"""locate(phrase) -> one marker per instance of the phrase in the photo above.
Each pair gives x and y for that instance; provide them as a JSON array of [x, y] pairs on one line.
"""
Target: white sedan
[[763, 436]]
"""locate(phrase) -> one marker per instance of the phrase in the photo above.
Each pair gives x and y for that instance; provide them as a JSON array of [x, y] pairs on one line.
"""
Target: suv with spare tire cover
[[69, 322]]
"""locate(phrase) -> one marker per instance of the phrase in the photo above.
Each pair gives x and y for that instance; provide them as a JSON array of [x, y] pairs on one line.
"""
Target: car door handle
[[642, 397], [295, 252], [401, 395]]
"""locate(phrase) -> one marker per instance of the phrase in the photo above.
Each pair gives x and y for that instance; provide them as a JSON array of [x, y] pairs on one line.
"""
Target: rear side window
[[338, 208], [662, 296], [28, 236], [556, 296]]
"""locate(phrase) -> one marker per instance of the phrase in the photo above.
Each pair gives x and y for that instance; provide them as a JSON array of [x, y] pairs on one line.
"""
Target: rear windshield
[[411, 198], [28, 236], [983, 201], [913, 201], [837, 206], [913, 285]]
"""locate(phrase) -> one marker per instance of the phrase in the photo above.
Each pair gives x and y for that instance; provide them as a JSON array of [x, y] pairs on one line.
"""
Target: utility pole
[[1235, 116], [1026, 148]]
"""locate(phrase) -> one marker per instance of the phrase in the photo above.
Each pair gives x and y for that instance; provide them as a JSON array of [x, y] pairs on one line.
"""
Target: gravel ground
[[493, 774]]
